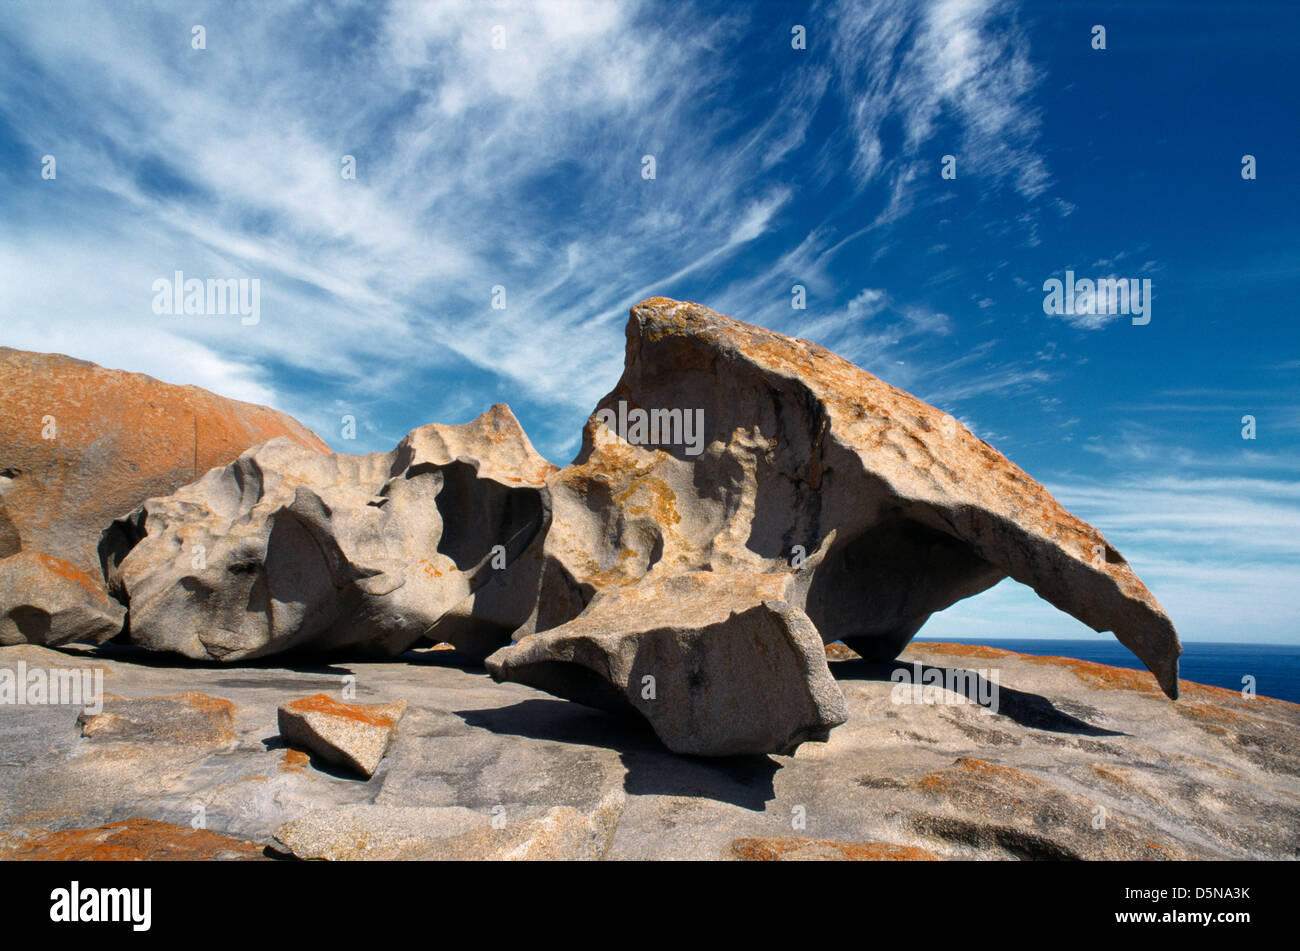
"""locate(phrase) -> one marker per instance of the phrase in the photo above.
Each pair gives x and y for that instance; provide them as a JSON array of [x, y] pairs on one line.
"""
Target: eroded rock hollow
[[289, 549]]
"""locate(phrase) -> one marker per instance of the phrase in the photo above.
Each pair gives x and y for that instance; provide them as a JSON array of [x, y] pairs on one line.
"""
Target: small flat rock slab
[[188, 719], [354, 735]]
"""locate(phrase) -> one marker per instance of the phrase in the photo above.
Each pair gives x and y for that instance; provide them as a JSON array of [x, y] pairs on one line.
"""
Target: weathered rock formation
[[871, 509], [740, 498], [81, 445], [287, 548]]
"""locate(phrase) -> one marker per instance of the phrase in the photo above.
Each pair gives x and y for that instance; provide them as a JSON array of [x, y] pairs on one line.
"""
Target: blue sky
[[522, 167]]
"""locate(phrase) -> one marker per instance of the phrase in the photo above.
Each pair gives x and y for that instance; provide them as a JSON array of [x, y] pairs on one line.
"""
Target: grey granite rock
[[726, 447], [718, 663], [288, 549], [1079, 760]]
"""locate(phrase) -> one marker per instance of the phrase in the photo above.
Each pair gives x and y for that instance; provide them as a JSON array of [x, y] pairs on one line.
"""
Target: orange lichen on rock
[[214, 706], [191, 719], [786, 849], [839, 651], [948, 778], [71, 572], [293, 760], [1101, 676], [1113, 775], [132, 840], [962, 650], [87, 444], [321, 703]]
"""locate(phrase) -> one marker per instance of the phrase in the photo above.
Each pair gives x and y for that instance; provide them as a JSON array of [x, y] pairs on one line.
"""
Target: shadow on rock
[[1025, 709], [321, 765], [302, 662], [439, 658], [652, 770]]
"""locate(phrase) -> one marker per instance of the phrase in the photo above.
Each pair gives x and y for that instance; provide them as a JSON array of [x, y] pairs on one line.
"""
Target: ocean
[[1275, 667]]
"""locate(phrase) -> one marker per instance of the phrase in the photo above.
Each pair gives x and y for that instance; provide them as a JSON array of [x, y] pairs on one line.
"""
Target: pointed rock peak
[[494, 440]]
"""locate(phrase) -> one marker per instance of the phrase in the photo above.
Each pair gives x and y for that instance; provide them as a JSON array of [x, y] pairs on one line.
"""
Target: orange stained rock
[[222, 709], [776, 849], [947, 778], [71, 572], [363, 713], [293, 760], [132, 840], [89, 444], [968, 650], [1100, 676]]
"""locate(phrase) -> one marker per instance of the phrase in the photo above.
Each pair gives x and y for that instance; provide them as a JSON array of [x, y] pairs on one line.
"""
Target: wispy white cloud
[[967, 60], [474, 169]]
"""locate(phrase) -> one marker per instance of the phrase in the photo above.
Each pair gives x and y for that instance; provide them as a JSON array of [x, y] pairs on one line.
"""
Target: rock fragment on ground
[[354, 735], [719, 664]]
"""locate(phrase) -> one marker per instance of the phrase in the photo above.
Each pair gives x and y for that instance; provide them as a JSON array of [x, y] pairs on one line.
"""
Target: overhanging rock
[[873, 508]]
